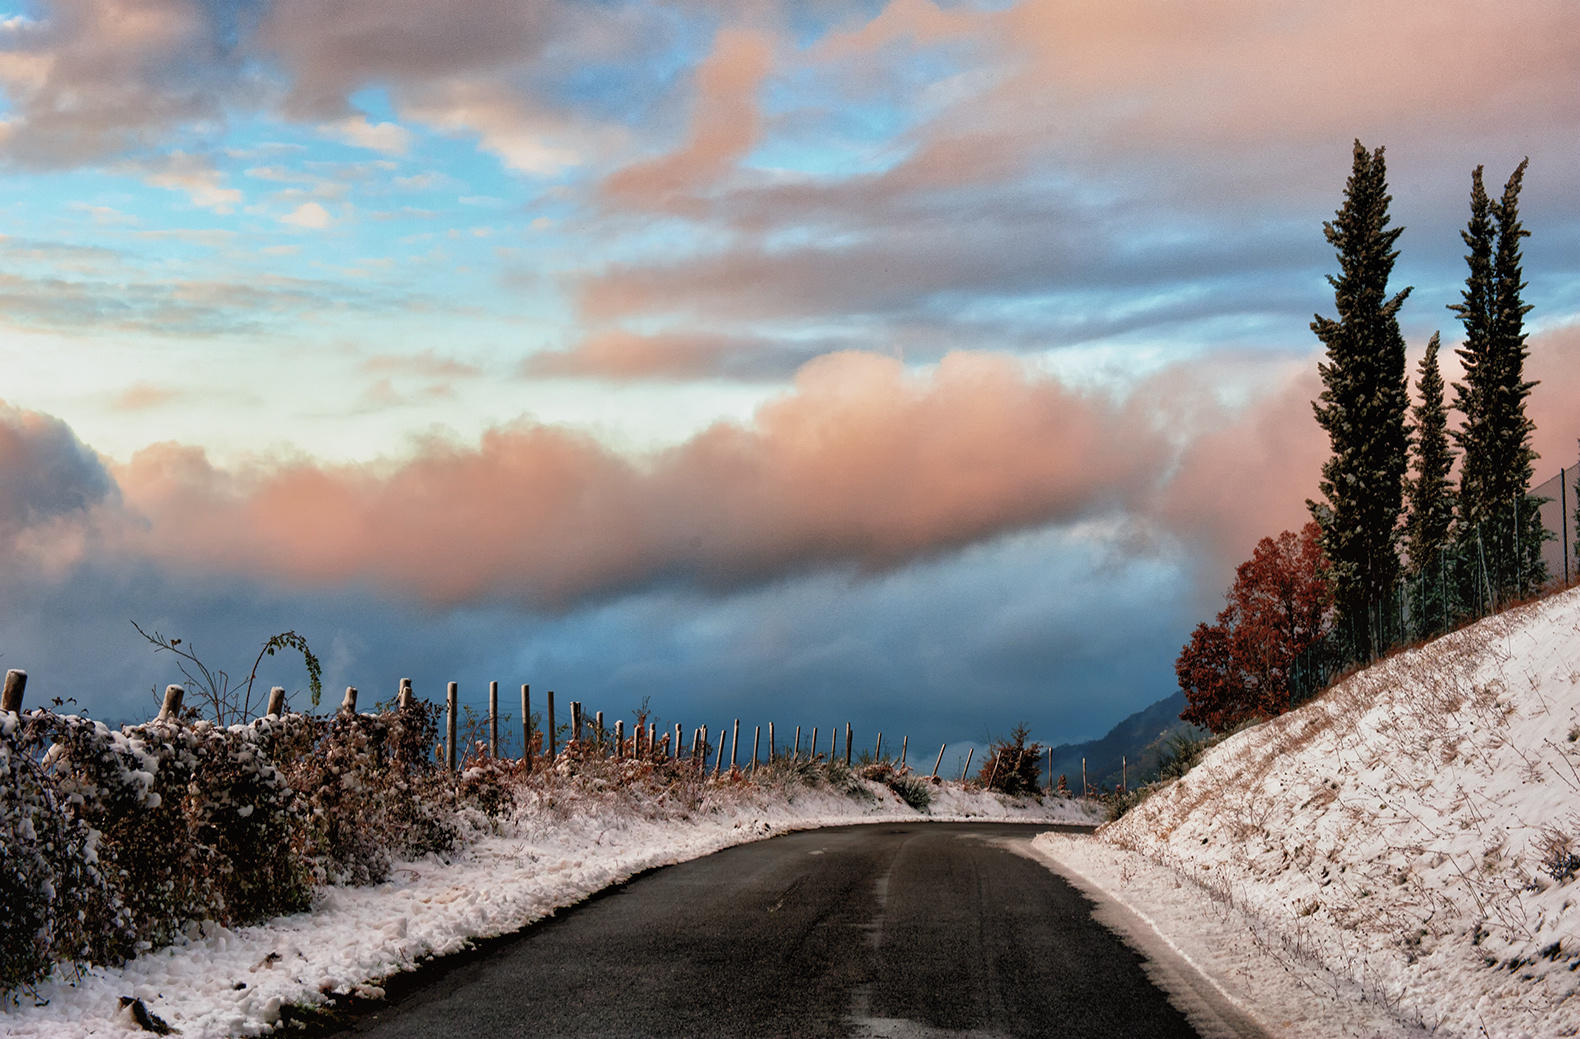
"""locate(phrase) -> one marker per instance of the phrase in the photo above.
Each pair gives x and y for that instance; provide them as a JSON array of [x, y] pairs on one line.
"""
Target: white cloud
[[309, 214], [390, 138], [195, 175], [503, 124]]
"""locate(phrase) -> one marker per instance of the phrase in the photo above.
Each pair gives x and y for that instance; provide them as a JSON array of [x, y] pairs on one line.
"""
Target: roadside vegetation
[[116, 841]]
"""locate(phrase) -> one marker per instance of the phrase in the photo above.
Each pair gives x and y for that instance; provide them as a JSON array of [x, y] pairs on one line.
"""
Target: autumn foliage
[[1280, 603]]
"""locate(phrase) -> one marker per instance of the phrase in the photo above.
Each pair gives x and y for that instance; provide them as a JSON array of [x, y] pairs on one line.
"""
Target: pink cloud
[[724, 125], [862, 464]]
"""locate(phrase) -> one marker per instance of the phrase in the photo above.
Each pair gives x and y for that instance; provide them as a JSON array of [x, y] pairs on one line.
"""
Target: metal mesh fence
[[1458, 587], [1558, 519]]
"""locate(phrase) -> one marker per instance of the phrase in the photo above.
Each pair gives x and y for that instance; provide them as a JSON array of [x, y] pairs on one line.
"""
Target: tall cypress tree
[[1500, 531], [1363, 408], [1429, 529]]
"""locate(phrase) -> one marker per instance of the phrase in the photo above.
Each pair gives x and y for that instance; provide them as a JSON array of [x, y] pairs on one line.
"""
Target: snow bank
[[1403, 850], [565, 842]]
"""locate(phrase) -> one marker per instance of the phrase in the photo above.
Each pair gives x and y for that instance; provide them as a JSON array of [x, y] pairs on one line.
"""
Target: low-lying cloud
[[862, 465]]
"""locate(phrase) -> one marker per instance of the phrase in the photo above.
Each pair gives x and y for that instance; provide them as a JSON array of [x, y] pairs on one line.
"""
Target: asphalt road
[[916, 930]]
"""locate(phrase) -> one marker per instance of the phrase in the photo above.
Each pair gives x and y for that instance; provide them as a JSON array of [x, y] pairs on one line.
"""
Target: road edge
[[1211, 1008]]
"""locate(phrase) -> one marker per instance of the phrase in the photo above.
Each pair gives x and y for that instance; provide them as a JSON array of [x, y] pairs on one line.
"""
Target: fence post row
[[16, 684]]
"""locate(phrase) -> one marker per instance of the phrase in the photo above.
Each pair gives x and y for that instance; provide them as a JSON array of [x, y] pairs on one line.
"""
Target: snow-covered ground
[[1397, 857], [566, 841]]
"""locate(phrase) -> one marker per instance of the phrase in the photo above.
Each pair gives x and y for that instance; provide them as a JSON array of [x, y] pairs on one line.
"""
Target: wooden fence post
[[598, 729], [526, 724], [877, 752], [735, 742], [349, 704], [1124, 775], [905, 742], [15, 686], [170, 710], [576, 722], [493, 719], [652, 738], [940, 760], [402, 699], [1050, 770], [619, 738], [811, 755], [993, 772], [679, 739], [770, 743], [277, 701], [1086, 791], [718, 763], [553, 743], [757, 736], [969, 752], [451, 695], [796, 754], [847, 744]]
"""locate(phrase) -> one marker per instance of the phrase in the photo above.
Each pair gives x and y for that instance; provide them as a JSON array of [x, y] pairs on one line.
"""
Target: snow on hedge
[[1410, 839]]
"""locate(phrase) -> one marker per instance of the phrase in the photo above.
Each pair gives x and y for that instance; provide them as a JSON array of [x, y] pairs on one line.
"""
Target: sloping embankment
[[1414, 833]]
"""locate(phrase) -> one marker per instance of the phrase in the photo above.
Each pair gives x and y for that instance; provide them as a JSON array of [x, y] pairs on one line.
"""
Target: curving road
[[917, 930]]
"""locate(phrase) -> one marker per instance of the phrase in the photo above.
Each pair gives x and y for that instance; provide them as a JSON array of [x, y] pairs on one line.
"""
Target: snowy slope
[[1408, 841], [567, 840]]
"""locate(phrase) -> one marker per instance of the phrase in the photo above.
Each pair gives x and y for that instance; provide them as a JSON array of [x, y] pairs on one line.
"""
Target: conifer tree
[[1429, 529], [1363, 408], [1498, 521]]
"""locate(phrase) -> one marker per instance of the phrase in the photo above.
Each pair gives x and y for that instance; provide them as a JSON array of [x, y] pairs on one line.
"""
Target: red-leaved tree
[[1280, 603]]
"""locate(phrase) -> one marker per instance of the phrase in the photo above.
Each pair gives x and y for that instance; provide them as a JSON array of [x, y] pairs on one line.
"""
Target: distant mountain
[[1135, 746]]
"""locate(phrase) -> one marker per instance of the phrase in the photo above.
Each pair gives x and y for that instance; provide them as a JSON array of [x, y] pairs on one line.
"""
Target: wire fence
[[1557, 513], [1461, 584]]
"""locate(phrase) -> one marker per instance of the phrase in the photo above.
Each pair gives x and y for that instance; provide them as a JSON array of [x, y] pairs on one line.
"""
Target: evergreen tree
[[1500, 533], [1363, 408], [1429, 529]]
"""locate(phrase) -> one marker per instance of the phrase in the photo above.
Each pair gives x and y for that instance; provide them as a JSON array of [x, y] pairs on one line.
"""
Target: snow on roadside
[[565, 843], [1411, 839]]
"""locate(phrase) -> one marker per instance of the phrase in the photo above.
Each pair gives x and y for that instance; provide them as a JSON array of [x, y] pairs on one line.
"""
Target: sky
[[927, 366]]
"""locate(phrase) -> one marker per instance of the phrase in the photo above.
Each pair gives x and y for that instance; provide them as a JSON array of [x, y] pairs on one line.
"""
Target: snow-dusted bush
[[911, 790], [57, 903], [371, 791], [192, 823]]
